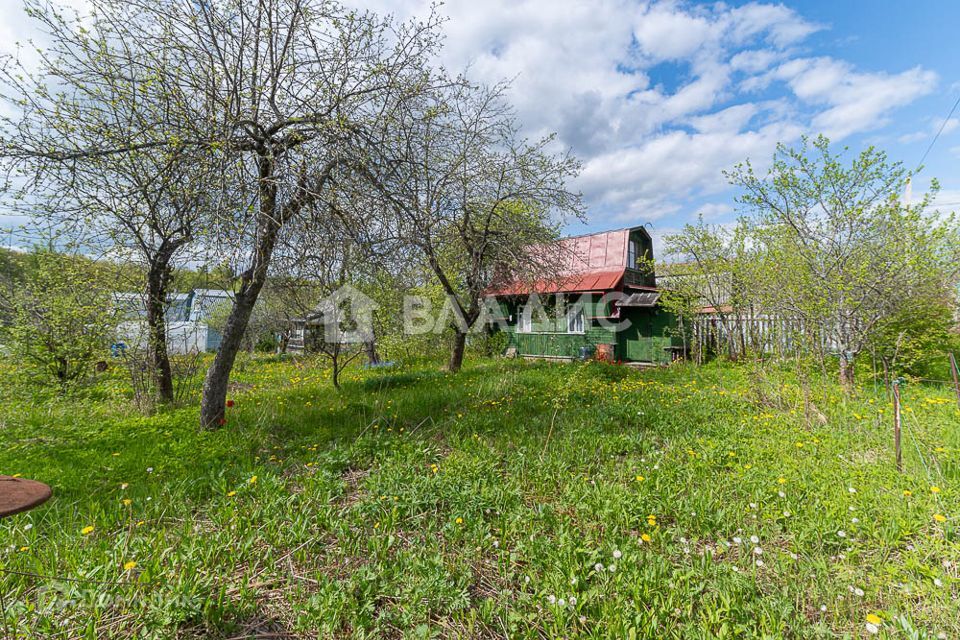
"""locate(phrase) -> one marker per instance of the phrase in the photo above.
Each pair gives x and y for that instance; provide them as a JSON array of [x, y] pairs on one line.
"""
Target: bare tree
[[471, 196], [277, 94]]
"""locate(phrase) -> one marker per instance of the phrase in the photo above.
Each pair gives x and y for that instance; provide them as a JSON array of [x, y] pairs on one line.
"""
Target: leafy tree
[[839, 250], [275, 96], [62, 318]]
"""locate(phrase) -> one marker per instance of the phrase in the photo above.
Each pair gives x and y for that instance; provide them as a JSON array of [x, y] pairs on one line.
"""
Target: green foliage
[[61, 317], [538, 500]]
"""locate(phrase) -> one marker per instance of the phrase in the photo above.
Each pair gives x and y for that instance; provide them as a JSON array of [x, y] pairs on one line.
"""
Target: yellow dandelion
[[646, 537], [252, 480], [934, 489], [127, 502], [459, 520], [640, 478], [781, 480], [129, 565], [87, 530], [24, 549], [873, 618], [939, 517], [230, 494], [907, 493]]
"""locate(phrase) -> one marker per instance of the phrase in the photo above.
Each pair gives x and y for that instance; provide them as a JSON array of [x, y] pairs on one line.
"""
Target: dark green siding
[[647, 339]]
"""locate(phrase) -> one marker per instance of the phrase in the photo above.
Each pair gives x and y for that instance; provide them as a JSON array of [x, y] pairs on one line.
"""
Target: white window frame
[[575, 319], [525, 319]]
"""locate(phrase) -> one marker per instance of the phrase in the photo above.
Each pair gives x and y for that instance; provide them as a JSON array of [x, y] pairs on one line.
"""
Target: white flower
[[855, 520], [753, 505], [757, 551], [656, 466], [686, 550], [612, 568], [872, 629], [737, 540], [851, 508], [759, 562], [858, 592], [562, 602], [938, 582], [683, 540], [149, 469], [617, 554], [573, 601], [496, 544], [552, 599], [851, 490], [573, 582], [823, 608], [598, 567], [736, 569], [754, 539], [781, 494], [841, 533], [583, 619], [793, 556], [786, 514], [693, 513]]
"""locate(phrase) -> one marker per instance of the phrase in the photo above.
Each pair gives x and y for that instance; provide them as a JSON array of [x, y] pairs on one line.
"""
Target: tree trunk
[[158, 279], [213, 403], [846, 370], [371, 348], [456, 356]]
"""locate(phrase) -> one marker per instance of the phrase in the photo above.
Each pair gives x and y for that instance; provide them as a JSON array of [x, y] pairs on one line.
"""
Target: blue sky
[[658, 98]]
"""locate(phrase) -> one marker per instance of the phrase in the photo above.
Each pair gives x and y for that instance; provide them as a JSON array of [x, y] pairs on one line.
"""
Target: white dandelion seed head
[[858, 592], [561, 602], [737, 540], [753, 505], [841, 533], [754, 539], [617, 554], [781, 494], [573, 601], [759, 562], [757, 551], [872, 629], [851, 490], [938, 582], [612, 568], [552, 599], [598, 567], [683, 540], [823, 608], [573, 582]]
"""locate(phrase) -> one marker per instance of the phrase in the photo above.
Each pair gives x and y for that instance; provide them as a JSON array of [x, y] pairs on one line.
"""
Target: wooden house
[[603, 300]]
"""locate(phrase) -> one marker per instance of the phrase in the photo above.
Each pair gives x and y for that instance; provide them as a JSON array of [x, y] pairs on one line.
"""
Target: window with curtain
[[575, 319], [526, 319]]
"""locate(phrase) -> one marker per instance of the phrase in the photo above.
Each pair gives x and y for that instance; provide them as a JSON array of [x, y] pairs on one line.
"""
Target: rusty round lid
[[20, 494]]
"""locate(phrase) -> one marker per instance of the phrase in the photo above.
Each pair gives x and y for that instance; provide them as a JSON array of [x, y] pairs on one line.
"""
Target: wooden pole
[[956, 376], [896, 424]]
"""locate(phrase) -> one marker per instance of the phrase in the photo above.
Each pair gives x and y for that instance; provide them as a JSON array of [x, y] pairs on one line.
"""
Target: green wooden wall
[[646, 340]]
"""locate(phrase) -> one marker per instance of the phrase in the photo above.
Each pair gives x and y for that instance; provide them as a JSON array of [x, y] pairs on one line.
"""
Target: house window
[[526, 319], [632, 254], [575, 319]]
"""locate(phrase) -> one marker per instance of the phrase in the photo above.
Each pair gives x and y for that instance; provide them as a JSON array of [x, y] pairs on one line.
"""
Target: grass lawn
[[511, 500]]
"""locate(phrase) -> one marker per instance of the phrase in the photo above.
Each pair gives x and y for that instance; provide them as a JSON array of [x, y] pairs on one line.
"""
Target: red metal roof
[[594, 262]]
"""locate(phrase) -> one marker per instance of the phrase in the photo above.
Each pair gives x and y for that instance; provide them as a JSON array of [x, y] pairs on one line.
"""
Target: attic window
[[632, 251]]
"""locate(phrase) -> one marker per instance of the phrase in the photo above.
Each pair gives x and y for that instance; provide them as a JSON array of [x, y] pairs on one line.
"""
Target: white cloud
[[656, 97], [851, 101]]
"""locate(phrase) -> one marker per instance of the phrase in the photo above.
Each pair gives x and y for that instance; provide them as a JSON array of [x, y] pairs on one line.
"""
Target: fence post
[[896, 424], [956, 376]]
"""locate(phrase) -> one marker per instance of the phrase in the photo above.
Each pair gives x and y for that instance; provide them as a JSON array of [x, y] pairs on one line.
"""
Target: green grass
[[419, 504]]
